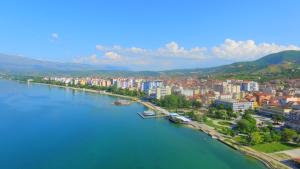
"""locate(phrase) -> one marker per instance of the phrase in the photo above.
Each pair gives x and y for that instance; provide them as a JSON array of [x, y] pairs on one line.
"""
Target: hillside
[[286, 63]]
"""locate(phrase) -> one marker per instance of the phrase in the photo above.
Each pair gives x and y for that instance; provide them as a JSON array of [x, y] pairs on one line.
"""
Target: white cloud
[[54, 36], [172, 55], [247, 50], [171, 49], [113, 56]]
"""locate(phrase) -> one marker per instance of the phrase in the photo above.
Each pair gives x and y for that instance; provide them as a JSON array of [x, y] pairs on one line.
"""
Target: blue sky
[[152, 35]]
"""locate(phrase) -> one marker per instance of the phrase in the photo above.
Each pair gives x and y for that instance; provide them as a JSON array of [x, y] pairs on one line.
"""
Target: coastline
[[268, 161], [146, 104]]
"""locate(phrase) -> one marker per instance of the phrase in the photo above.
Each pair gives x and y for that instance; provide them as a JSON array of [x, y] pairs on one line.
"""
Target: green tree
[[276, 135], [255, 138], [196, 104], [221, 114], [267, 137], [277, 118], [288, 134], [245, 126], [248, 117]]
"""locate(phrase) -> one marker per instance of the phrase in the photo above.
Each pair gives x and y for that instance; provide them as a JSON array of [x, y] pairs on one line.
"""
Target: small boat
[[122, 102], [214, 137], [148, 113]]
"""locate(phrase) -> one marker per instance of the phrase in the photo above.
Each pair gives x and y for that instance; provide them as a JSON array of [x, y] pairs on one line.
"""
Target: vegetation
[[273, 147], [175, 101], [265, 139], [221, 112], [281, 65], [288, 135], [247, 124], [278, 118], [225, 123], [195, 116]]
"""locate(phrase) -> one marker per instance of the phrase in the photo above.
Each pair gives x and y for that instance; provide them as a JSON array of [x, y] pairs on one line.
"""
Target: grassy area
[[221, 129], [211, 124], [273, 147], [225, 123]]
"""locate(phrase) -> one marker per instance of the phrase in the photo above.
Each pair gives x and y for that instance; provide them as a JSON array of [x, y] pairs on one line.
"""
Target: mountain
[[284, 64], [22, 65], [274, 64]]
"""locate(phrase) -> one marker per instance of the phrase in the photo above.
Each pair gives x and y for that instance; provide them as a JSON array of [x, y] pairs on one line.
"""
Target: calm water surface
[[43, 127]]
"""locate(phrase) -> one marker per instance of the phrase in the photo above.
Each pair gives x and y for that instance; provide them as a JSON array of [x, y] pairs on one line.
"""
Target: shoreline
[[146, 104], [268, 161]]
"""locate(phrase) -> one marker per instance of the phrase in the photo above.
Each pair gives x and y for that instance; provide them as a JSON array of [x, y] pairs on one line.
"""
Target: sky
[[149, 35]]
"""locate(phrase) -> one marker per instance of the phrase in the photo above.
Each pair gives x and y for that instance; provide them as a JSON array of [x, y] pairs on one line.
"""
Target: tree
[[221, 114], [232, 114], [249, 111], [248, 117], [267, 137], [255, 138], [245, 126], [277, 118], [276, 135], [196, 104], [288, 134]]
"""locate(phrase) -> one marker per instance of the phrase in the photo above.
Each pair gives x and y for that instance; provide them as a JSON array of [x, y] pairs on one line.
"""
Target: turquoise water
[[43, 127]]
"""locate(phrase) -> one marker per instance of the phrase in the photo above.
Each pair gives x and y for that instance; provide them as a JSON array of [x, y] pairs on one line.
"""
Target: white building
[[249, 86], [235, 105], [159, 92]]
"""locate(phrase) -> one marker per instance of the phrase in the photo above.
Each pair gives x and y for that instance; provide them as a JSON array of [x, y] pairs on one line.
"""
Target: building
[[187, 92], [159, 92], [225, 96], [235, 88], [249, 86], [235, 104], [270, 110], [293, 120], [151, 85]]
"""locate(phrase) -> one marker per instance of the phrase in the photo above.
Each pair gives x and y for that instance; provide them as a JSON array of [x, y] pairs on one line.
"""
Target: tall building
[[249, 86], [151, 85], [159, 92]]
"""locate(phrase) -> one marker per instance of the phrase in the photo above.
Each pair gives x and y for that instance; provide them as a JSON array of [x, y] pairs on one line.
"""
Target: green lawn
[[225, 123], [273, 147], [211, 124]]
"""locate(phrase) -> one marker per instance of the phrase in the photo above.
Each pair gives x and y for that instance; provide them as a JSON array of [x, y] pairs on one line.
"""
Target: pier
[[150, 117]]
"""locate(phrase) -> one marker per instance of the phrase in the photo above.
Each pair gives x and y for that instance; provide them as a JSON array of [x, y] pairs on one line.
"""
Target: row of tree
[[174, 101]]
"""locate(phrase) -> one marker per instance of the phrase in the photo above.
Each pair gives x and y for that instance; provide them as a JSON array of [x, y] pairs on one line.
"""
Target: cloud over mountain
[[247, 50], [172, 55]]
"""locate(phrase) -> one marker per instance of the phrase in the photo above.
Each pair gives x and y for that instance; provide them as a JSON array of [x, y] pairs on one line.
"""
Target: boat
[[148, 113], [214, 137], [122, 102]]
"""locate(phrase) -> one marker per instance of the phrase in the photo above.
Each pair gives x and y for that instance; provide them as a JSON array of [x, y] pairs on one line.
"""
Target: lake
[[44, 127]]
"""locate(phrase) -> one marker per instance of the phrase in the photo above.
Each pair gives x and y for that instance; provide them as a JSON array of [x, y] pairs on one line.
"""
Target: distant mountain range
[[279, 65], [272, 63], [13, 64]]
